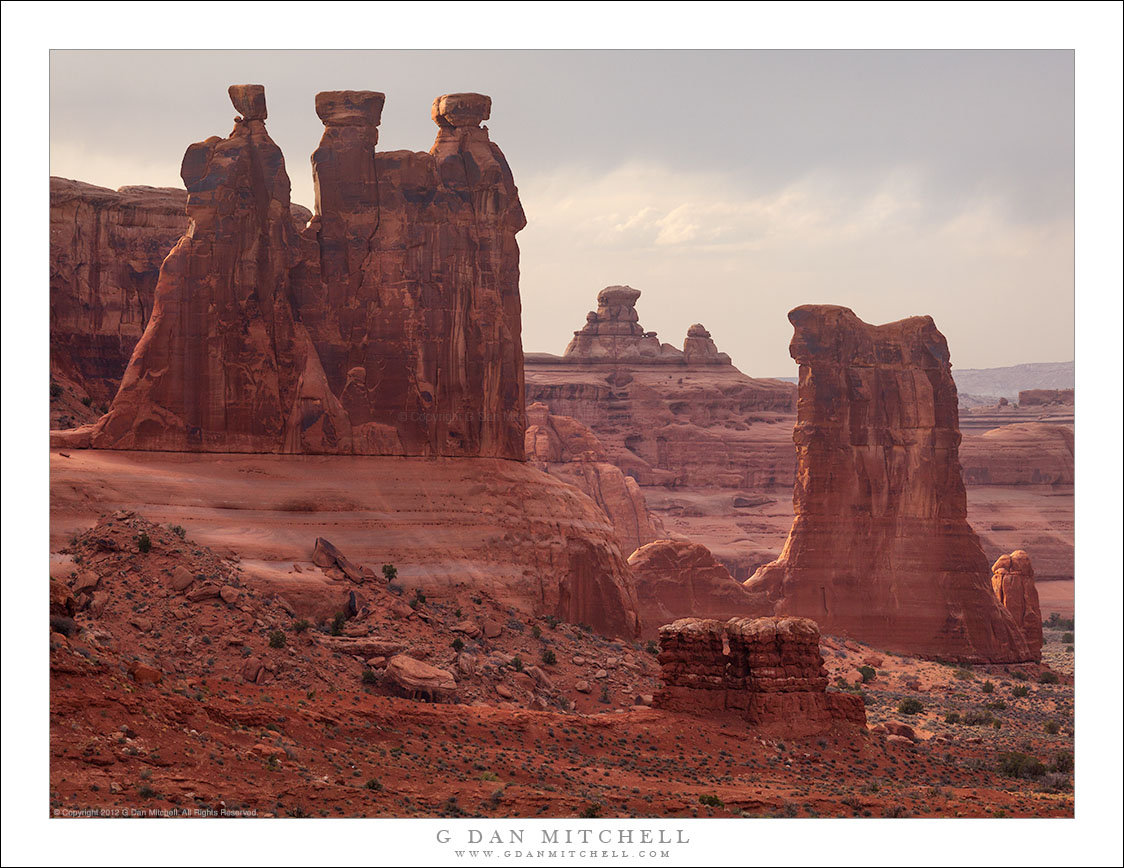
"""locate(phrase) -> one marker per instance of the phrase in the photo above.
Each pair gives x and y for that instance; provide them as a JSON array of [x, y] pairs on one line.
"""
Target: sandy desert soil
[[187, 699]]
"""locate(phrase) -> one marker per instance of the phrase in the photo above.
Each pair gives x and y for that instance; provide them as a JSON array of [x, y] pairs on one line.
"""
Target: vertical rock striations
[[768, 670], [1012, 580], [880, 548], [413, 299], [223, 364], [389, 326]]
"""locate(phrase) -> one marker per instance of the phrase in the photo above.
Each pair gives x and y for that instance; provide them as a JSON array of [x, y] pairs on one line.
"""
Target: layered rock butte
[[767, 670], [880, 548], [1012, 581], [390, 326]]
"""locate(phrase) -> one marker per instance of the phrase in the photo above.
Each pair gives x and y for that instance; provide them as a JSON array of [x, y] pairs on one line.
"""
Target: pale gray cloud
[[730, 186]]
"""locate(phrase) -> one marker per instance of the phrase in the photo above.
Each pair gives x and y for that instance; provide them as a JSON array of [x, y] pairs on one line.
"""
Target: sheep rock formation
[[767, 670], [880, 548], [568, 450], [1012, 580], [676, 579], [389, 325]]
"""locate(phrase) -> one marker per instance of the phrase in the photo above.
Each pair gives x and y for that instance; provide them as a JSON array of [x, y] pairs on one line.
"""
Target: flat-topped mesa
[[1012, 580], [410, 282], [223, 364], [767, 670], [880, 548]]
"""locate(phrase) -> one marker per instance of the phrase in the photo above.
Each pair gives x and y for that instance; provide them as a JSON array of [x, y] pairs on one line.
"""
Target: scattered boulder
[[145, 675], [415, 679]]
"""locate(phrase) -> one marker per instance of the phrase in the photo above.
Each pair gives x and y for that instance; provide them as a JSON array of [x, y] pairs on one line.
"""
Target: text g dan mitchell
[[563, 836]]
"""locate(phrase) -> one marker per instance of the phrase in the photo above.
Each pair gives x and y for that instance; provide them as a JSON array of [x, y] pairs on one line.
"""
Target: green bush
[[590, 812], [370, 676], [517, 663], [301, 625], [374, 784], [389, 572], [868, 673], [978, 718], [909, 705], [604, 697], [1020, 765], [964, 674], [536, 631], [87, 401], [1063, 762], [337, 624], [952, 717], [178, 530], [1048, 677], [549, 657], [988, 687], [1067, 638], [277, 639], [56, 390], [711, 801], [458, 644], [652, 648], [144, 544], [1052, 727], [1020, 690]]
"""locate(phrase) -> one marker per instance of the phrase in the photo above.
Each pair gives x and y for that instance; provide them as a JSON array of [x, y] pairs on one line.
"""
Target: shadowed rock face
[[390, 326], [880, 548], [410, 286], [677, 579], [224, 364]]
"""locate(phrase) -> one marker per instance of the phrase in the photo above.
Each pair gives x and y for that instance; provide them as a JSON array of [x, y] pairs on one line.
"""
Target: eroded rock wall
[[880, 548]]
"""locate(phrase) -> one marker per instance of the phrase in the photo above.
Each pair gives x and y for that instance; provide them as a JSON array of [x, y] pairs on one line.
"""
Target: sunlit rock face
[[880, 548]]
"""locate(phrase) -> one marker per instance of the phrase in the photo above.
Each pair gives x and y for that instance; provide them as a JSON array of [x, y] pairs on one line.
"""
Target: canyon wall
[[880, 548]]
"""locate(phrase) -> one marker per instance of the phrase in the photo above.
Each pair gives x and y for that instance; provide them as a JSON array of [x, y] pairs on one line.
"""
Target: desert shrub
[[909, 705], [277, 639], [549, 657], [988, 687], [87, 401], [963, 674], [590, 812], [389, 572], [178, 530], [711, 801], [868, 673], [652, 647], [604, 697], [977, 718], [1020, 690], [998, 705], [1020, 765], [337, 624], [1063, 762], [1052, 727], [952, 717], [144, 544], [61, 624], [1048, 677], [536, 631], [56, 390], [374, 784], [458, 644], [419, 596], [370, 676], [517, 663], [1067, 638], [301, 625]]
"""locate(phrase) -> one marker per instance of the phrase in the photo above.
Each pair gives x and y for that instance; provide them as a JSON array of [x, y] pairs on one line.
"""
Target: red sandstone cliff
[[1012, 580], [880, 548], [566, 449], [676, 579]]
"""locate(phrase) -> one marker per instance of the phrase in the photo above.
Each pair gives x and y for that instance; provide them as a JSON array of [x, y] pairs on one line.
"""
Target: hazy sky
[[728, 186]]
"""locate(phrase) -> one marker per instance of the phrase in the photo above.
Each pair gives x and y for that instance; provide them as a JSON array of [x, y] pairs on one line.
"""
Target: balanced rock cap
[[350, 108], [461, 109], [249, 100]]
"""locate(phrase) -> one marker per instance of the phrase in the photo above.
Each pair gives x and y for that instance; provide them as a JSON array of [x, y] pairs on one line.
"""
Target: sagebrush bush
[[909, 705], [277, 639]]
